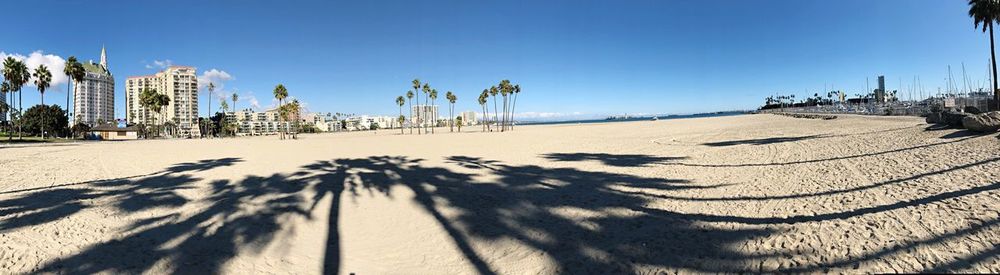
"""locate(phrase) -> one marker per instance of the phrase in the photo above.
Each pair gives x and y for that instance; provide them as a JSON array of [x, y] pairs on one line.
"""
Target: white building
[[361, 123], [251, 123], [424, 115], [469, 118], [94, 96], [180, 83], [322, 122]]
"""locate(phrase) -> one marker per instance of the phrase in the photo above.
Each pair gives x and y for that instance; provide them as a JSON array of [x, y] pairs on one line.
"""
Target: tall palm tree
[[433, 95], [987, 12], [235, 97], [486, 112], [493, 92], [16, 74], [423, 116], [409, 101], [517, 90], [211, 93], [42, 80], [400, 101], [451, 112], [75, 72], [482, 103], [416, 89], [504, 91], [280, 93]]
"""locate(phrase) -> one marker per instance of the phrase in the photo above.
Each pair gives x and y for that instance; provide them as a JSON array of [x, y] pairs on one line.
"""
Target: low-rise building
[[252, 123], [112, 132]]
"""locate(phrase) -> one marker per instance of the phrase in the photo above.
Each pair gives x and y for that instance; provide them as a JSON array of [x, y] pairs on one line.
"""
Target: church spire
[[104, 58]]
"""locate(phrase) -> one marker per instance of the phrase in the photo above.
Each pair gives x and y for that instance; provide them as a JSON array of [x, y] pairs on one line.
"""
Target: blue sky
[[572, 58]]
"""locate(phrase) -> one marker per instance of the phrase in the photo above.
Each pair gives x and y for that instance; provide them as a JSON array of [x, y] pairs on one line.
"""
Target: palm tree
[[162, 100], [458, 120], [42, 80], [211, 93], [504, 88], [493, 92], [433, 95], [400, 101], [451, 112], [409, 97], [401, 119], [416, 89], [235, 97], [423, 117], [16, 74], [280, 93], [987, 12], [517, 90], [74, 70], [486, 112]]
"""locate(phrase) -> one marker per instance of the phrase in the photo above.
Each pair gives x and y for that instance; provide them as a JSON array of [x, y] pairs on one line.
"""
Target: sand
[[726, 194]]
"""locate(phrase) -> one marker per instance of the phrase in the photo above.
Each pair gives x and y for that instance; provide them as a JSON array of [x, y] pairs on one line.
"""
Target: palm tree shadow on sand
[[524, 204]]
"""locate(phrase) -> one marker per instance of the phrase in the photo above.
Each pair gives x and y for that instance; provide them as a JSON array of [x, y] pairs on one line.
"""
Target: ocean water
[[648, 118]]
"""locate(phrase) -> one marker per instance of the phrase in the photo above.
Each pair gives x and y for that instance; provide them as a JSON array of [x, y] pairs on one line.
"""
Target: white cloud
[[54, 63], [157, 64], [215, 76]]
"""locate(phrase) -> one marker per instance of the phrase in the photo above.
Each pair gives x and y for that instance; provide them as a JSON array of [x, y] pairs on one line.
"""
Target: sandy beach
[[725, 194]]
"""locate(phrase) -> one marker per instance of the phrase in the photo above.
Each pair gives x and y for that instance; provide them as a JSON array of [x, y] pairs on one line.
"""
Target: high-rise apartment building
[[424, 115], [180, 84], [94, 96]]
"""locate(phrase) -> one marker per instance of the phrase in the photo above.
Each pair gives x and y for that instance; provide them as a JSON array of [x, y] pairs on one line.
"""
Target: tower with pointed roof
[[104, 57], [94, 97]]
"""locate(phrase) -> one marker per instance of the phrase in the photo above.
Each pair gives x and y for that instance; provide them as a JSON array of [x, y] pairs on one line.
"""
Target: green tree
[[40, 118], [42, 80], [409, 97], [400, 101], [987, 12], [280, 93], [225, 126], [458, 120]]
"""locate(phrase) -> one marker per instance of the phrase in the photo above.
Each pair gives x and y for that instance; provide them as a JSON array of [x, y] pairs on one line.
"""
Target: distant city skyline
[[574, 59]]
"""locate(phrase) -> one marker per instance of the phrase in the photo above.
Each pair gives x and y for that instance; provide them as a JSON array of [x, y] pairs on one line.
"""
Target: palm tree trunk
[[505, 112], [20, 114], [409, 103], [993, 56], [512, 105], [495, 110], [67, 104], [43, 117], [400, 122]]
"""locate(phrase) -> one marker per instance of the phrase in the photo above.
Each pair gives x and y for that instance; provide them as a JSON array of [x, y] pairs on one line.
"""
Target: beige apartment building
[[94, 96], [180, 83]]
